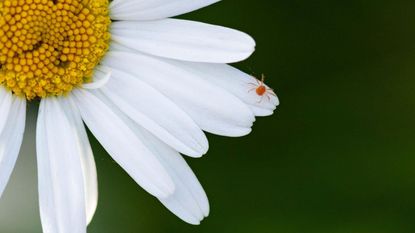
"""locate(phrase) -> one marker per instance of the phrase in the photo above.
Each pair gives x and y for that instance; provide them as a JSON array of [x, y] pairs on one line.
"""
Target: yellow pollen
[[49, 47]]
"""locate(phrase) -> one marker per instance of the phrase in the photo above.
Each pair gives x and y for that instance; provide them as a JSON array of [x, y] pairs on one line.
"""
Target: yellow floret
[[48, 47]]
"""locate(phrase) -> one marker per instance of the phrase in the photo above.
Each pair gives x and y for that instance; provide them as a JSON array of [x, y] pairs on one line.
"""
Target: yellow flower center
[[48, 47]]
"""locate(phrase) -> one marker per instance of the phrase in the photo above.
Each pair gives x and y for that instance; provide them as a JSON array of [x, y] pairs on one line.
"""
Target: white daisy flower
[[146, 86]]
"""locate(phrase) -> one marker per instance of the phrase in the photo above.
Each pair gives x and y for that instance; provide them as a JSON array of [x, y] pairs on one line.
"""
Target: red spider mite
[[261, 89]]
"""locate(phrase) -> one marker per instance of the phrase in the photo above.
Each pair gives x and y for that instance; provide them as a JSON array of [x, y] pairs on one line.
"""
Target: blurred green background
[[336, 157]]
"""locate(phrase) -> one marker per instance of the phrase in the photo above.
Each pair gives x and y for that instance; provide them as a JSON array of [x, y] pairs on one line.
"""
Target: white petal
[[109, 127], [213, 109], [259, 111], [184, 40], [87, 158], [235, 81], [60, 179], [6, 100], [189, 201], [156, 113], [154, 9], [11, 136], [101, 77]]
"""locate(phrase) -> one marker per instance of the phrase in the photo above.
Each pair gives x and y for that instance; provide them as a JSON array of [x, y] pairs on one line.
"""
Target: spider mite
[[261, 90]]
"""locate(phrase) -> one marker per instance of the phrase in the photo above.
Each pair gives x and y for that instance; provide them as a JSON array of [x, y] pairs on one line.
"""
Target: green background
[[336, 157]]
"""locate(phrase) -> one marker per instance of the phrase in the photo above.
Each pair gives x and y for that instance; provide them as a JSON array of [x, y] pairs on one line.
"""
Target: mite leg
[[251, 89], [260, 100]]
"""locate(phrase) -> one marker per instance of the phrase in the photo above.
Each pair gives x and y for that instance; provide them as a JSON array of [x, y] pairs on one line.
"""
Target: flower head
[[146, 85]]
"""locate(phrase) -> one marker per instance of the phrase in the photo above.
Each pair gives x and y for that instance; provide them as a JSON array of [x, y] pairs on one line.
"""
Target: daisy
[[145, 85]]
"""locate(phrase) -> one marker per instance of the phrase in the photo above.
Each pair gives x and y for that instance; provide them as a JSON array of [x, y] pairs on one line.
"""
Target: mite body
[[261, 90]]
